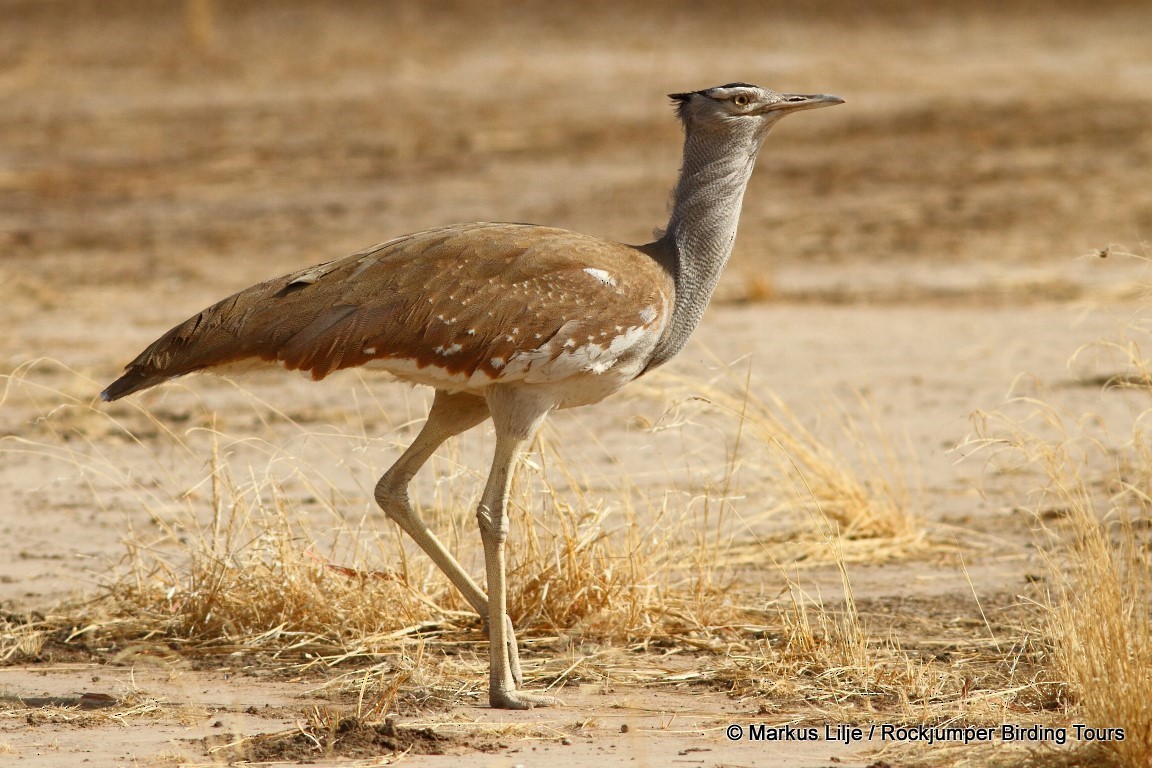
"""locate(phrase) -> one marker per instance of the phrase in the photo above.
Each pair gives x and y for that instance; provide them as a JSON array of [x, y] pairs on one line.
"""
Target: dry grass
[[1101, 624], [1092, 510], [88, 710], [266, 547], [830, 663], [21, 636], [284, 561], [841, 493]]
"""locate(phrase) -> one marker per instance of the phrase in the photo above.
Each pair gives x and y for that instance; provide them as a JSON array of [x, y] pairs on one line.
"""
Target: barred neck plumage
[[701, 231], [724, 128]]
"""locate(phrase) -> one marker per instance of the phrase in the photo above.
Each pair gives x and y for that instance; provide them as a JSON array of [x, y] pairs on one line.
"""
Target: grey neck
[[702, 229]]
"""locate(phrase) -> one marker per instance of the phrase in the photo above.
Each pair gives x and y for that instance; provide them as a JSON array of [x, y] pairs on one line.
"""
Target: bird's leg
[[516, 421], [450, 415]]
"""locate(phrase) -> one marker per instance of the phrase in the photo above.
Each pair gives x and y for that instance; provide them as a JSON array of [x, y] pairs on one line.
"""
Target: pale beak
[[796, 102]]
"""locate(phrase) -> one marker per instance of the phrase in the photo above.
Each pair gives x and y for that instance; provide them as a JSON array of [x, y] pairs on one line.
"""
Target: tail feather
[[252, 325], [210, 338], [132, 381]]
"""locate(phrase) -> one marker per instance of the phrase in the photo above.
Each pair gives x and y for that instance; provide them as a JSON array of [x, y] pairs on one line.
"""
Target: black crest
[[686, 96]]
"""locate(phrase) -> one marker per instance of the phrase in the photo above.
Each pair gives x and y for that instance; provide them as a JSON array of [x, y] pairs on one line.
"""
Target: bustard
[[505, 321]]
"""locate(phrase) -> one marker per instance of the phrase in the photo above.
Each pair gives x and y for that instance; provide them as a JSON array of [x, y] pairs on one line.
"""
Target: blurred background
[[189, 147]]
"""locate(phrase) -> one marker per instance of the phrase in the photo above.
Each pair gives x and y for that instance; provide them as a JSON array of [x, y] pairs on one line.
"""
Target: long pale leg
[[516, 420], [450, 415]]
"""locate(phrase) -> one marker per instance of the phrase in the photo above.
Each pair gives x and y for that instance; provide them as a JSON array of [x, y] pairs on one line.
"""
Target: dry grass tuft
[[89, 710], [251, 582], [825, 660], [21, 637], [1093, 510], [1101, 624], [861, 492], [849, 496]]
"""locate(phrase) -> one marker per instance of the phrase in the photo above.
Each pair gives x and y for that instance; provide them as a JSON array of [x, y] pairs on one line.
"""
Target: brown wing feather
[[462, 299]]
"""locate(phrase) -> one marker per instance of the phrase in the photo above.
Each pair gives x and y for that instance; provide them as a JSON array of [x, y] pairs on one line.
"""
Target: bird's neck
[[700, 234]]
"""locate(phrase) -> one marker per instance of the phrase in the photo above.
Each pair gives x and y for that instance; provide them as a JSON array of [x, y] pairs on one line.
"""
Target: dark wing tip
[[131, 381]]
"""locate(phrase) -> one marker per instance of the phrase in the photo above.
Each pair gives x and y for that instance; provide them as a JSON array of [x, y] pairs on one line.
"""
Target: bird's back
[[458, 308]]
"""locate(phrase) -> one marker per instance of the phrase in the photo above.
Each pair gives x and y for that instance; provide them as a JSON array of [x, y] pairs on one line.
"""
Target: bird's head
[[743, 108]]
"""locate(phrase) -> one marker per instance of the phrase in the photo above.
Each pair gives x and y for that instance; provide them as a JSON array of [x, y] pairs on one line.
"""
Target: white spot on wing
[[648, 314], [601, 275]]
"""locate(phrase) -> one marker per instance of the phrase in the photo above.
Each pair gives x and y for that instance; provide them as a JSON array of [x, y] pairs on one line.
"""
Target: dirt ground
[[935, 243]]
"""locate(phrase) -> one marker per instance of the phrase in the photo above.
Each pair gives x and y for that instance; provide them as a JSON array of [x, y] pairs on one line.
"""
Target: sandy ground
[[935, 244]]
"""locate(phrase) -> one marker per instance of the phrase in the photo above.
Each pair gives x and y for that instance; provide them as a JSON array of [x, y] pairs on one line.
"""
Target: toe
[[521, 700]]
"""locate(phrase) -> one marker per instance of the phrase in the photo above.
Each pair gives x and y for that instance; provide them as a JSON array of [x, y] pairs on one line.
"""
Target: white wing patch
[[601, 275], [592, 366], [544, 365]]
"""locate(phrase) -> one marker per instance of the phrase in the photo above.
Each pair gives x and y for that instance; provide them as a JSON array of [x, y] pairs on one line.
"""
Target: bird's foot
[[514, 699]]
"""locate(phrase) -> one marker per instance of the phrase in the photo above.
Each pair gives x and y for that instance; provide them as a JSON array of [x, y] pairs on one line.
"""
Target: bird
[[505, 321]]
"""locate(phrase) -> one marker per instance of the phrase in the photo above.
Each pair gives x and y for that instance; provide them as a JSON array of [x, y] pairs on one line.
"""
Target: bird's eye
[[741, 100]]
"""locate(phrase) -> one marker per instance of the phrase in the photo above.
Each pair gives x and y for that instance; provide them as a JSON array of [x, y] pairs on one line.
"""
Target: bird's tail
[[132, 381]]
